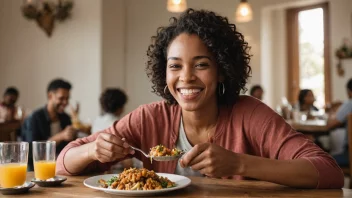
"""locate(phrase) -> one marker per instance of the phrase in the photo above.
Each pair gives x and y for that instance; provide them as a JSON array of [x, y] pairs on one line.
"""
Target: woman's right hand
[[108, 148]]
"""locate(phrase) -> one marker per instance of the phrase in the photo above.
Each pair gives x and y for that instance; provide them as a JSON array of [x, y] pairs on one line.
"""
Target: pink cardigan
[[248, 127]]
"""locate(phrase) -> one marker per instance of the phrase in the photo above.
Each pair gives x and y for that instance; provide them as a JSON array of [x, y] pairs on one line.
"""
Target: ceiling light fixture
[[176, 5], [244, 12]]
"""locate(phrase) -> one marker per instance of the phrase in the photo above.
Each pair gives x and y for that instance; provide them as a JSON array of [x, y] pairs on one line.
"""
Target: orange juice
[[12, 174], [44, 169]]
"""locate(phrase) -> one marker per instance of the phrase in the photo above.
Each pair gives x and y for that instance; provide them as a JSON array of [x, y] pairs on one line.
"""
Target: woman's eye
[[174, 66], [202, 65]]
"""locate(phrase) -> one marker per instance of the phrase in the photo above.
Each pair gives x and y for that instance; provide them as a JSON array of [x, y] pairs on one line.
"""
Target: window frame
[[292, 30]]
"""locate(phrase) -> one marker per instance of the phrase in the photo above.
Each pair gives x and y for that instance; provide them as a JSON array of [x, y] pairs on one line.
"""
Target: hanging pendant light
[[176, 5], [244, 12]]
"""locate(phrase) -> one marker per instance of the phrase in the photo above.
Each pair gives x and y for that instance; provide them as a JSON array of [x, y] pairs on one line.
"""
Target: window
[[308, 52]]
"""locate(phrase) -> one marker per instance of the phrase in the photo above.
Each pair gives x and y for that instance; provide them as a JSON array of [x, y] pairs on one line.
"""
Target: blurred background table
[[314, 127]]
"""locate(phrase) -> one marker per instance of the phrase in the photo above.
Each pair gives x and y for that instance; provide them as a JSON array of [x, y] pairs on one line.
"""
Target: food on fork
[[137, 179], [161, 150]]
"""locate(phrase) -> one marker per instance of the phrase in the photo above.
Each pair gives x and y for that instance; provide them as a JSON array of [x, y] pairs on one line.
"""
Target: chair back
[[349, 132], [348, 170], [8, 131]]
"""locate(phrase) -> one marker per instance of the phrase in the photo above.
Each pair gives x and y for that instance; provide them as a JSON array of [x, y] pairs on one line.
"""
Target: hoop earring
[[222, 89], [165, 89]]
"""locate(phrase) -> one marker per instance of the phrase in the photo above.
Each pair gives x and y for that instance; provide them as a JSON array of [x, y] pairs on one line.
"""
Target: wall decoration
[[45, 12]]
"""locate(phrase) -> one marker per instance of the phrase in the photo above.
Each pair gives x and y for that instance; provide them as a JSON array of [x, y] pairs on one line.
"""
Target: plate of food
[[137, 182]]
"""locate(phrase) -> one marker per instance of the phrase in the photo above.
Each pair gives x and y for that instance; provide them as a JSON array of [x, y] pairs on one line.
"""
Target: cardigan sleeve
[[128, 127], [273, 138]]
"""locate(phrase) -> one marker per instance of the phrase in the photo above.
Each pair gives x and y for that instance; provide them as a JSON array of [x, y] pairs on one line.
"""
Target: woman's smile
[[189, 93]]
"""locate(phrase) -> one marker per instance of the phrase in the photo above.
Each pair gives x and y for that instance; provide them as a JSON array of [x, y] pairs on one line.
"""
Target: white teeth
[[189, 91]]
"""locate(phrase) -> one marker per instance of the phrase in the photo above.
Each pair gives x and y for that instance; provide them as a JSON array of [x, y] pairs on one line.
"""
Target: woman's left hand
[[212, 160]]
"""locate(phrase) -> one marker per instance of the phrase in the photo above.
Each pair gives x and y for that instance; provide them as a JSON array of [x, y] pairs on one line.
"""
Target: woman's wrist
[[90, 152], [77, 158], [248, 165], [240, 163]]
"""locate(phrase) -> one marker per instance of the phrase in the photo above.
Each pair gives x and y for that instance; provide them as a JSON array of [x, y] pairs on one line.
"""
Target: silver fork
[[137, 149]]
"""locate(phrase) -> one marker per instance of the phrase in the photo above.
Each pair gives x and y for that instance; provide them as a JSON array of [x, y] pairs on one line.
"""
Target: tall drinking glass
[[44, 159], [13, 163]]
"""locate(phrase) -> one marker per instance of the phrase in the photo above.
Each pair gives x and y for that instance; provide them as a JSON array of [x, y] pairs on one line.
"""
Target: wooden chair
[[348, 170], [8, 131]]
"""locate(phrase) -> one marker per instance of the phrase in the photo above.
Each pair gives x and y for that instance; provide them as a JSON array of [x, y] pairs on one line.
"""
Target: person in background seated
[[257, 92], [306, 101], [199, 64], [8, 107], [112, 101], [50, 122], [333, 107], [340, 120]]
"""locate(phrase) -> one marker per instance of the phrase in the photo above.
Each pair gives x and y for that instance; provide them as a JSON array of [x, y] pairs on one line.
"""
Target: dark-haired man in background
[[51, 122], [8, 105]]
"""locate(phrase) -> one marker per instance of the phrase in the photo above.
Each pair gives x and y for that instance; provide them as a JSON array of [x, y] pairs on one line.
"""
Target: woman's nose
[[187, 74]]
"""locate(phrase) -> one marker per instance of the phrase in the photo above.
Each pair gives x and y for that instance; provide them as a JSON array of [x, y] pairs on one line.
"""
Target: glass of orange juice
[[44, 159], [13, 163]]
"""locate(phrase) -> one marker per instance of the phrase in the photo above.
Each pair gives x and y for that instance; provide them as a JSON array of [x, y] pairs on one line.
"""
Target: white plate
[[181, 182]]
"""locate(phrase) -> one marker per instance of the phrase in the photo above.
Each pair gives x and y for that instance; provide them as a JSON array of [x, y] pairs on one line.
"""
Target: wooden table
[[200, 187], [310, 126]]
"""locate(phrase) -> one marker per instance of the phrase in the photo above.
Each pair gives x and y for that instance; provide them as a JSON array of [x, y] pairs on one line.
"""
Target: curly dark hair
[[112, 99], [222, 39], [255, 88], [349, 84]]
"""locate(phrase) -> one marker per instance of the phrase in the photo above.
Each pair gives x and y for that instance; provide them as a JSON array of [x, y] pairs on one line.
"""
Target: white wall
[[341, 27], [113, 43], [279, 57], [267, 49], [142, 20], [29, 59]]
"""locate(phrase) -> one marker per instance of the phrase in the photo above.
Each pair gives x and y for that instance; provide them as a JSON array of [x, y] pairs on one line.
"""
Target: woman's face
[[309, 99], [191, 73]]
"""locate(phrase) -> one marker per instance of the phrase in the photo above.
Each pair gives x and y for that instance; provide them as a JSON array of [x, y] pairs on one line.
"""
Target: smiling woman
[[199, 64]]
